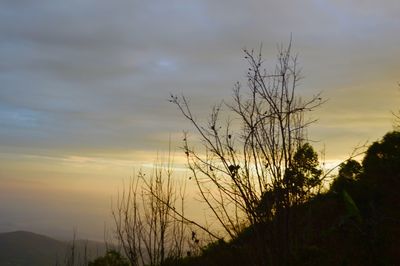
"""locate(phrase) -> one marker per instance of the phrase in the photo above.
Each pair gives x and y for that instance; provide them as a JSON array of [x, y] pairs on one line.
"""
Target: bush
[[382, 159], [111, 258]]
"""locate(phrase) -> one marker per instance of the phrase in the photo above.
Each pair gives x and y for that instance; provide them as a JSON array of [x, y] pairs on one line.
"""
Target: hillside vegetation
[[357, 222]]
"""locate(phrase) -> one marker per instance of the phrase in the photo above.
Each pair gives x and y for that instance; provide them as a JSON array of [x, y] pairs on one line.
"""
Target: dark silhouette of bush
[[382, 160], [111, 258], [301, 178], [349, 173], [304, 173]]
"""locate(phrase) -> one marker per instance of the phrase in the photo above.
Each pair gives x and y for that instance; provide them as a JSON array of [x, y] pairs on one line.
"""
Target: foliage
[[304, 174], [302, 178], [111, 258], [351, 207], [382, 159], [349, 172], [350, 169]]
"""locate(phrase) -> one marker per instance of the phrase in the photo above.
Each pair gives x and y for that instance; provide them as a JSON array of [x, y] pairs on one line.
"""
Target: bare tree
[[147, 228], [249, 161]]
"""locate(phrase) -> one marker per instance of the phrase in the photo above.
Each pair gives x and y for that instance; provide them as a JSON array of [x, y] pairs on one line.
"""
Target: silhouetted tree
[[304, 174], [111, 258], [261, 151], [349, 172], [382, 159], [145, 219]]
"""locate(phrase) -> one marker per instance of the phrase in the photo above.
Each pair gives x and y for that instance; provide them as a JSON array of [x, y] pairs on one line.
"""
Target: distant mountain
[[23, 248]]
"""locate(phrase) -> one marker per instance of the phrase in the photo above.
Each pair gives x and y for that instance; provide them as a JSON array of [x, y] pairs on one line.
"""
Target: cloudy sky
[[84, 87]]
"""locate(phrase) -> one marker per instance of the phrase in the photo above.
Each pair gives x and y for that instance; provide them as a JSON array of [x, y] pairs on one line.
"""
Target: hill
[[22, 248]]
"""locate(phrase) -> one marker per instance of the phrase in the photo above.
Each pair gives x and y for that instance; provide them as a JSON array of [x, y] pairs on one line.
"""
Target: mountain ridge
[[23, 248]]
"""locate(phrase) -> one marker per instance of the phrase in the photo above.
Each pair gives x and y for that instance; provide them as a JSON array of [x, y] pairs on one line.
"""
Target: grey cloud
[[99, 72]]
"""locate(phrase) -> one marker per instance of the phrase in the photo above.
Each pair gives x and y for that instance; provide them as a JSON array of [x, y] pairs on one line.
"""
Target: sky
[[84, 88]]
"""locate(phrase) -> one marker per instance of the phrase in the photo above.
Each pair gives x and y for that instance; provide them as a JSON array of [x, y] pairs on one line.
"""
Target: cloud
[[99, 73]]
